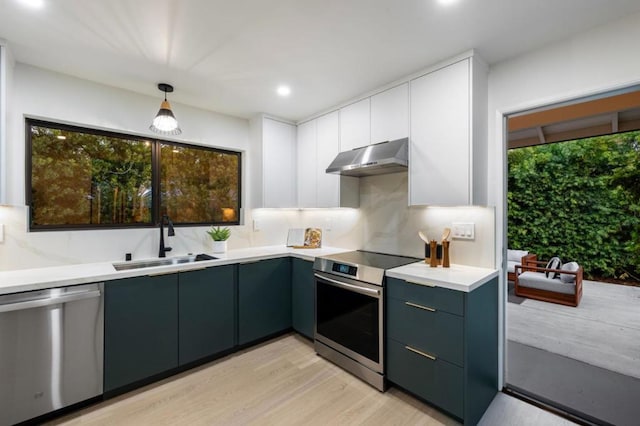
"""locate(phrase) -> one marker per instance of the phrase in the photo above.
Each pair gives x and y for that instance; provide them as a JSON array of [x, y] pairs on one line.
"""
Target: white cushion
[[538, 280], [516, 255], [572, 267], [511, 265]]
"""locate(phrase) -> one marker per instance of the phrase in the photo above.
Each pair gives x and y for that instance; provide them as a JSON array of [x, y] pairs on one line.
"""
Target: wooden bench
[[532, 282]]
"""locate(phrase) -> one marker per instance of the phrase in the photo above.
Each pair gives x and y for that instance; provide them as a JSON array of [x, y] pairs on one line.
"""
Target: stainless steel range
[[349, 325]]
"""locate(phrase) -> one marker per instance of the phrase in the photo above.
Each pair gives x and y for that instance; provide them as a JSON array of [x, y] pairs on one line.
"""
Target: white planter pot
[[219, 246]]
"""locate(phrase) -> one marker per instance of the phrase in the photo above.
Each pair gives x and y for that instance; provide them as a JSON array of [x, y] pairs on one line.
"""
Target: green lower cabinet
[[434, 380], [442, 345], [302, 296], [141, 329], [264, 298], [206, 312], [427, 330]]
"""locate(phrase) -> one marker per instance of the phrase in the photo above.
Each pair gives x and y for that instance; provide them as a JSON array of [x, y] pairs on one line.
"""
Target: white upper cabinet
[[307, 164], [447, 155], [4, 69], [318, 145], [328, 147], [355, 125], [278, 164], [390, 114]]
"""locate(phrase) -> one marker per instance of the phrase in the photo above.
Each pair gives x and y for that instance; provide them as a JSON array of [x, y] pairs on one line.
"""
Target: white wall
[[599, 60]]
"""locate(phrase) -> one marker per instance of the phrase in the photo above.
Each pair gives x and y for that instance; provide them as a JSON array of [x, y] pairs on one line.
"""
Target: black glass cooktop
[[372, 259]]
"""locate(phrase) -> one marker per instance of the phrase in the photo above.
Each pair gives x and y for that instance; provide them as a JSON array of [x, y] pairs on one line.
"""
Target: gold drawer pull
[[426, 355], [414, 305]]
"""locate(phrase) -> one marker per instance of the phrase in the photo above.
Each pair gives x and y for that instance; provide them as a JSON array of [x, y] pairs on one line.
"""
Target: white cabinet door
[[278, 163], [439, 156], [390, 114], [355, 125], [307, 164], [328, 132]]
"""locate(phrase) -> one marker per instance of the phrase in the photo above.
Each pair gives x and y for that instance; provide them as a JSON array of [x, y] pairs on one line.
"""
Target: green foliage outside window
[[579, 200], [86, 179], [82, 178], [198, 185]]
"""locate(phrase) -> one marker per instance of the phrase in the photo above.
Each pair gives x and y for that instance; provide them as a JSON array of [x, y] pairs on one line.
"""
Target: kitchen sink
[[125, 266]]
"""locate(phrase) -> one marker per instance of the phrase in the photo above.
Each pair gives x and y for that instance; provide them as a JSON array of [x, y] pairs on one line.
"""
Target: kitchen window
[[80, 178]]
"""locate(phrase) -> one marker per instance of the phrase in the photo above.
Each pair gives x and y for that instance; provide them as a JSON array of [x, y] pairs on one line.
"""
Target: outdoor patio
[[604, 330], [584, 359]]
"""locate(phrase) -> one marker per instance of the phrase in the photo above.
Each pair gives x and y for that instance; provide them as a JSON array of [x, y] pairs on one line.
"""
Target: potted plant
[[219, 236]]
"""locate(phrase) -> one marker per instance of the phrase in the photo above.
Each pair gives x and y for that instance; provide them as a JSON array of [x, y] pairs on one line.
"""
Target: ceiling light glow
[[284, 90], [34, 4], [447, 2]]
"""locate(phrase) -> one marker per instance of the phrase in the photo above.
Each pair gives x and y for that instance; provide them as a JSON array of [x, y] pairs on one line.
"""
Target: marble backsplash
[[22, 249], [389, 226]]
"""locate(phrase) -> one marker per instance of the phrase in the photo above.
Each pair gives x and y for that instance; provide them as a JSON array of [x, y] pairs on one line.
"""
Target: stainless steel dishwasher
[[51, 350]]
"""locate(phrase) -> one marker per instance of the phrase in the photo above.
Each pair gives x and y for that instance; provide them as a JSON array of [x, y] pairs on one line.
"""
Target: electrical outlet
[[328, 224], [463, 231], [1, 233], [256, 225]]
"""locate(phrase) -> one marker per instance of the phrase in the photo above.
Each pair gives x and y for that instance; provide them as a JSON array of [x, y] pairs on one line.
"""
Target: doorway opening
[[574, 192]]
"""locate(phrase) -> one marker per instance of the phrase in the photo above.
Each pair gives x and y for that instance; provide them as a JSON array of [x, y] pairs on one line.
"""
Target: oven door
[[349, 318]]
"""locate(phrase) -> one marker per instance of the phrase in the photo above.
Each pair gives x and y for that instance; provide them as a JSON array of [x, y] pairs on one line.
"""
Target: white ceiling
[[230, 55]]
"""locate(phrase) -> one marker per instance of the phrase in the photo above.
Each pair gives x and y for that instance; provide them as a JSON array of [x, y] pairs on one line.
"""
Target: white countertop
[[59, 276], [457, 277]]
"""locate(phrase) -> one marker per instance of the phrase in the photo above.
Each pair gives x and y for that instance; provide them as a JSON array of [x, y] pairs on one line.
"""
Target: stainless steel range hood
[[376, 159]]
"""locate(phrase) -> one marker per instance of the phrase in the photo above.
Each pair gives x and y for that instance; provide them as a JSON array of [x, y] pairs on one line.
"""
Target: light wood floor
[[281, 382], [604, 330]]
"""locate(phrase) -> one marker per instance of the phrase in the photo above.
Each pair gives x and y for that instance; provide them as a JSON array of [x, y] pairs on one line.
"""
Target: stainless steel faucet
[[170, 233]]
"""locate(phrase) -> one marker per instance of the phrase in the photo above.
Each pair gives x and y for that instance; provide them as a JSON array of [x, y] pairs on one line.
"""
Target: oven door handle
[[355, 288]]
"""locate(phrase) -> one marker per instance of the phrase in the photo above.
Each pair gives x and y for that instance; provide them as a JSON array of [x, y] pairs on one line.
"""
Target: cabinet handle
[[194, 269], [250, 262], [159, 274], [415, 305], [426, 355], [423, 284]]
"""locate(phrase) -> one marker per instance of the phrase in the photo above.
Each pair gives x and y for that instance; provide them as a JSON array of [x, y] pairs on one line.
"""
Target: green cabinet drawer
[[207, 313], [264, 299], [302, 296], [442, 299], [140, 329], [436, 332], [436, 381]]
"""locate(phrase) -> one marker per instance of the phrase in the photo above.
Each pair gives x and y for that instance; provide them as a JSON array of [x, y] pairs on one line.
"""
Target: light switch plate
[[463, 230], [1, 233], [256, 225]]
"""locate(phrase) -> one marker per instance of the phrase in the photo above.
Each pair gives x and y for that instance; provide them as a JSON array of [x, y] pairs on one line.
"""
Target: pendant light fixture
[[165, 122]]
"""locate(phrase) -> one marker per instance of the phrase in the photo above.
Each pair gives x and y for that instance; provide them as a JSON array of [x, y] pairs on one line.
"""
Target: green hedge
[[579, 200]]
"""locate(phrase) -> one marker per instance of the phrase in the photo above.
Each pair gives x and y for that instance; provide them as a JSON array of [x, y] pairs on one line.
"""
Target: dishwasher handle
[[48, 301]]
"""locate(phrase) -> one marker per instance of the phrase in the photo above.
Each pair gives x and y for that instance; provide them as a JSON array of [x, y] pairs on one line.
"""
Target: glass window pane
[[80, 178], [199, 185]]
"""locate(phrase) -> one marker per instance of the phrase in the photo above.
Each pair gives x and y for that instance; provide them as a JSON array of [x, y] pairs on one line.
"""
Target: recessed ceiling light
[[284, 90], [447, 2], [34, 4]]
